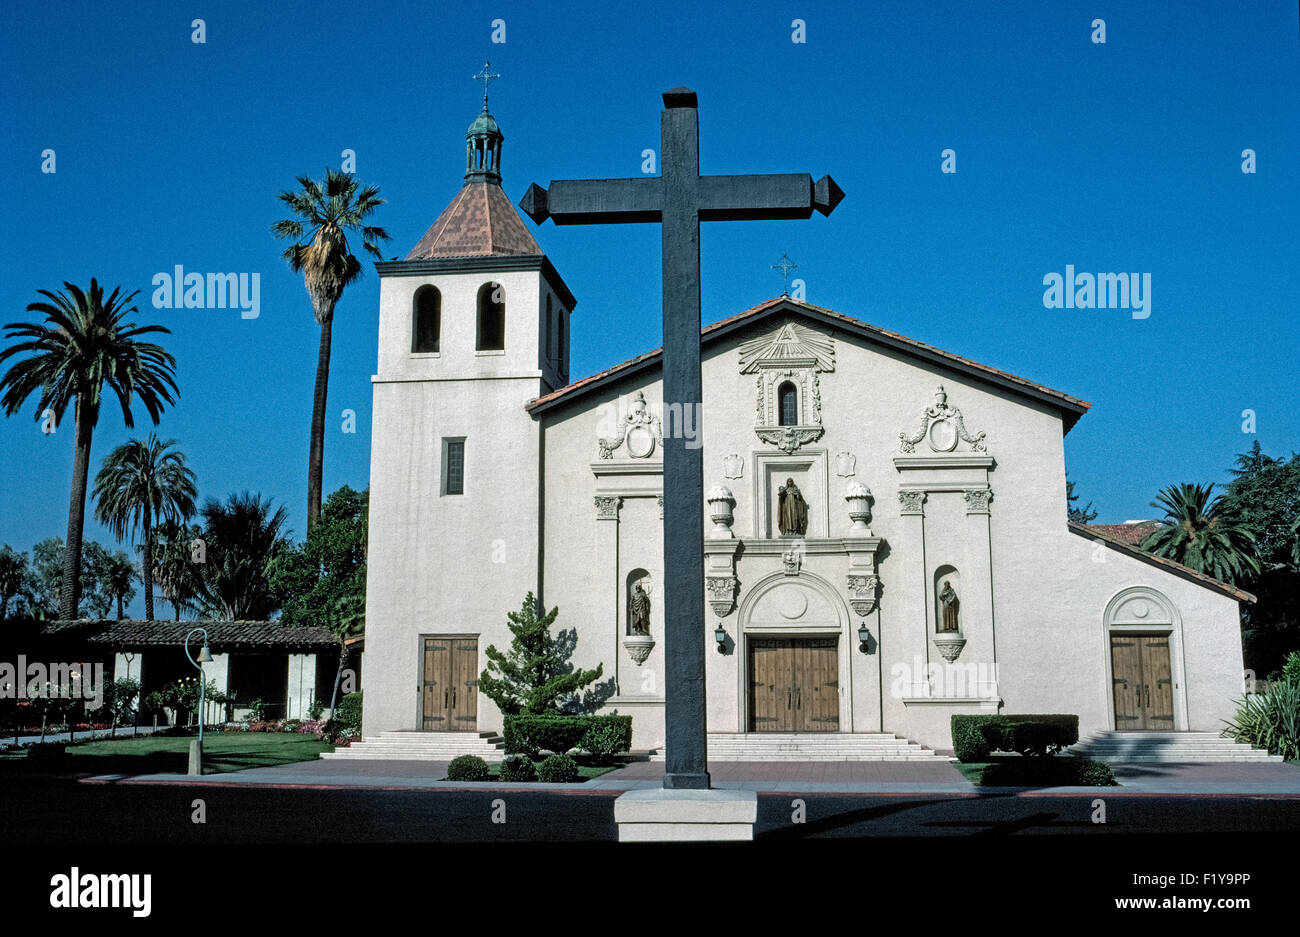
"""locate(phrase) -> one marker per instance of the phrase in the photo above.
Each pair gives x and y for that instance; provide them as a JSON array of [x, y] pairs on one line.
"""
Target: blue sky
[[1117, 157]]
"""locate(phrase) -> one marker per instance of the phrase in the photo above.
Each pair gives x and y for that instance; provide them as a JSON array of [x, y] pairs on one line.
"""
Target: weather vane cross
[[486, 77], [785, 265]]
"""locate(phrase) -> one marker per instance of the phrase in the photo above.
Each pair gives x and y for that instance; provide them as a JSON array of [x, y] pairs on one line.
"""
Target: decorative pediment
[[638, 433], [791, 344], [941, 426], [791, 358]]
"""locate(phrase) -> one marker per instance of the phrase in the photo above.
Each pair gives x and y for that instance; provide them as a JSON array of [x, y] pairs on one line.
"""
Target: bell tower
[[473, 324]]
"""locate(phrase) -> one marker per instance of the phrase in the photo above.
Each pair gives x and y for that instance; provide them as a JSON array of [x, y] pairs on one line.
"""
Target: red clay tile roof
[[479, 222], [1073, 405], [1132, 534], [164, 633], [1100, 532]]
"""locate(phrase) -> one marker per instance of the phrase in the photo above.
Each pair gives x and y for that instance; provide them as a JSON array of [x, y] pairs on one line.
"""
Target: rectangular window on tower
[[453, 466]]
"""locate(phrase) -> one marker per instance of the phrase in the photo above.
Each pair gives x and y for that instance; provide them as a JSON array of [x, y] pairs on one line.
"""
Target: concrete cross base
[[666, 816], [196, 757]]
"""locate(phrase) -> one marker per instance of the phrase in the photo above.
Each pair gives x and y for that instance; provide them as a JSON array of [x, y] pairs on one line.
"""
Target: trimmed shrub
[[468, 768], [607, 736], [518, 768], [1089, 773], [974, 737], [968, 742], [348, 713], [558, 769], [602, 736]]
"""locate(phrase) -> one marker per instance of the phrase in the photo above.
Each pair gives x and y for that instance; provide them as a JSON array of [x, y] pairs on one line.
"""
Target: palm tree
[[139, 484], [83, 345], [323, 218], [176, 566], [242, 537], [118, 577], [1202, 534]]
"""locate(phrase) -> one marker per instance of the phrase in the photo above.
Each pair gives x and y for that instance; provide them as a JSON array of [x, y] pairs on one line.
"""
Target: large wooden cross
[[679, 199]]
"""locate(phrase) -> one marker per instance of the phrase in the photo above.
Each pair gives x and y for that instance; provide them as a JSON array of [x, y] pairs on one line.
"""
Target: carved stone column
[[914, 589], [607, 576], [978, 625]]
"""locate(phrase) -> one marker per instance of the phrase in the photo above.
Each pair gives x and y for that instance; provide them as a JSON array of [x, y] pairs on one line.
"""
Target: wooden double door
[[449, 684], [1143, 682], [794, 685]]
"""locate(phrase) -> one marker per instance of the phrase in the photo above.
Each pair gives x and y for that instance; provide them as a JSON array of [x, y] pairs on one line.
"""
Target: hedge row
[[974, 737], [602, 736]]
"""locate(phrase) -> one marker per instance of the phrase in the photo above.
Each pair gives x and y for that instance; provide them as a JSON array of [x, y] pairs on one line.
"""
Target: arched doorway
[[1144, 662], [794, 656]]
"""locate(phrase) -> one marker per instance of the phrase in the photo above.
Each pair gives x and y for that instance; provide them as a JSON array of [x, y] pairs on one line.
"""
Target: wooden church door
[[1143, 683], [449, 687]]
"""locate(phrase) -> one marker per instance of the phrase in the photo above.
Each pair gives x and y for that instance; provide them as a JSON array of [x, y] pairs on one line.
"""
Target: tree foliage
[[324, 578], [1203, 533], [1083, 515], [323, 217], [1265, 495], [243, 537], [535, 676], [141, 484], [83, 346]]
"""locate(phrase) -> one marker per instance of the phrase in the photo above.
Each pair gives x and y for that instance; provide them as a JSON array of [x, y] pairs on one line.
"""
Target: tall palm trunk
[[71, 591], [147, 570], [316, 458]]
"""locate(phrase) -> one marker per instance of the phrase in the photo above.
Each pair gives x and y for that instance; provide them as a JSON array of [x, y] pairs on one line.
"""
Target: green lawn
[[222, 752]]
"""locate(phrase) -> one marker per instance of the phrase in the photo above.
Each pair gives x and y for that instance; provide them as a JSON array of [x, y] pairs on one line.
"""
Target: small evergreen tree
[[534, 676]]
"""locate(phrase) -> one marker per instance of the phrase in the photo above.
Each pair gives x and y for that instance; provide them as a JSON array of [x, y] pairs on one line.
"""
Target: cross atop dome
[[486, 76]]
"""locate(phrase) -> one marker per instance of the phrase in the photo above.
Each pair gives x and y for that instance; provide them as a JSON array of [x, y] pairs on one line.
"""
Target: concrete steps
[[829, 746], [1168, 747], [422, 746]]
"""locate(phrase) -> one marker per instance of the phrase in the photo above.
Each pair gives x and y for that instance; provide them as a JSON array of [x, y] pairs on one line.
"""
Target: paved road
[[52, 811]]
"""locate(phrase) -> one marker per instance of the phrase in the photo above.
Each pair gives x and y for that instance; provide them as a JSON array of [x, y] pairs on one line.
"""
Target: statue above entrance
[[791, 510]]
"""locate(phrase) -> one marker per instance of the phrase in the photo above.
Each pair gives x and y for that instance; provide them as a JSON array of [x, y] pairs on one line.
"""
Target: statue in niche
[[949, 605], [639, 610], [791, 510]]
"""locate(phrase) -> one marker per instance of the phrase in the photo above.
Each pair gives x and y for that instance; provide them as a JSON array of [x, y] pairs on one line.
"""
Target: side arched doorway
[[1144, 662]]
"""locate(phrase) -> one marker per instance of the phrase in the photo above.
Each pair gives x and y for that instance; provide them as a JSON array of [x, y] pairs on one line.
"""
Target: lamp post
[[205, 657]]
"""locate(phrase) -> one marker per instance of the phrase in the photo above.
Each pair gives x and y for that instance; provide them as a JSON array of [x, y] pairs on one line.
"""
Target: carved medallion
[[941, 426], [845, 464], [733, 466], [640, 432]]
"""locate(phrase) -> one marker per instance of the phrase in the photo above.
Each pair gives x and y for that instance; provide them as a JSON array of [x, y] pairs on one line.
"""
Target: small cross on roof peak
[[785, 265]]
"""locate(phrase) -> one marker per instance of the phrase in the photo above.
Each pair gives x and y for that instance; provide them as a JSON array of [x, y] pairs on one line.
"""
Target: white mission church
[[886, 542]]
